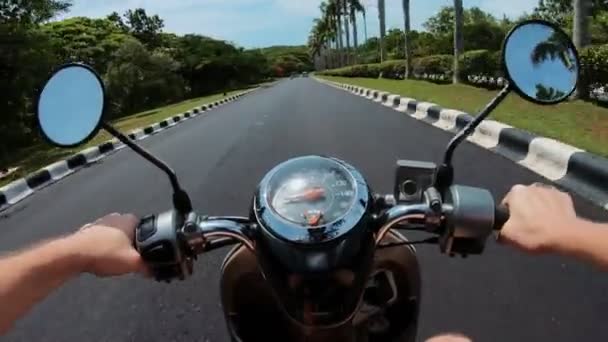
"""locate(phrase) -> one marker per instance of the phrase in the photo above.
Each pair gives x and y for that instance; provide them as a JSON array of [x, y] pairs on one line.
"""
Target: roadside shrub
[[389, 69], [433, 65], [394, 69], [594, 65], [480, 62]]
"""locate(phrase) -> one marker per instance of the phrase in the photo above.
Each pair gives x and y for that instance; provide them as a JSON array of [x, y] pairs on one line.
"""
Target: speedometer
[[312, 193]]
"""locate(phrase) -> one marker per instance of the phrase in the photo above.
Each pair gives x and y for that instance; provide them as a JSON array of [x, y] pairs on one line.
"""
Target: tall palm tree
[[318, 42], [335, 11], [458, 38], [331, 14], [408, 55], [382, 20], [580, 35], [324, 34], [365, 23], [355, 7], [346, 15]]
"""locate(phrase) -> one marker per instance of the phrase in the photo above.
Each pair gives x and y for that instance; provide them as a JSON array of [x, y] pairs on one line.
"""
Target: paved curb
[[17, 190], [570, 167]]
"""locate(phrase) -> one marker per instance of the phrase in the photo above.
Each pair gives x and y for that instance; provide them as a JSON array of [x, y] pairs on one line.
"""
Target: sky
[[261, 23]]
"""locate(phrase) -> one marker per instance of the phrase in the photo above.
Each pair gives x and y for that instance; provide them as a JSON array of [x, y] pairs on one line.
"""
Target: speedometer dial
[[312, 196]]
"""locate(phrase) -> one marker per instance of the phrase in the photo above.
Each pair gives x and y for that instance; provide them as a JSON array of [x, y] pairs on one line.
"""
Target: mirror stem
[[470, 128], [181, 200], [445, 173]]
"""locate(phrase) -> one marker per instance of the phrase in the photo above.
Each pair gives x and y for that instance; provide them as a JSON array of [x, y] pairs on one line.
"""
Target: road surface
[[502, 295]]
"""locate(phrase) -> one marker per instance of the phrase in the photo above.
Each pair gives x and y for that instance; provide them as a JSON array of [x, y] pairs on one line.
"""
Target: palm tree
[[365, 23], [346, 15], [553, 48], [580, 35], [355, 6], [406, 19], [331, 15], [458, 39], [318, 43], [333, 8], [382, 20]]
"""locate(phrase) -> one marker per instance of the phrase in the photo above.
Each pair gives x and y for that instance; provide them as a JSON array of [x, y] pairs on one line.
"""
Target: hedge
[[435, 65], [475, 66], [594, 65], [395, 69], [480, 62]]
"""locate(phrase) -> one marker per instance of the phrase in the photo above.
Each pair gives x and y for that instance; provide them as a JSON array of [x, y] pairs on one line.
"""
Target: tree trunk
[[340, 39], [365, 25], [353, 20], [580, 35], [346, 30], [382, 20], [408, 55], [337, 55], [458, 39]]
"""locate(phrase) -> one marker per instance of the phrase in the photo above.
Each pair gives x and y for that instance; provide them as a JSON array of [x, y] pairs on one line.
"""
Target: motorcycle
[[322, 257]]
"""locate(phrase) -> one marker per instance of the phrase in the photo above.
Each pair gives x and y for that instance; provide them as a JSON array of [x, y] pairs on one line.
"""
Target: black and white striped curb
[[24, 187], [572, 168]]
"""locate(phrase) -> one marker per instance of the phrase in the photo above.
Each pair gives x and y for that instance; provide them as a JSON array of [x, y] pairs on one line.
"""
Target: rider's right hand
[[541, 218]]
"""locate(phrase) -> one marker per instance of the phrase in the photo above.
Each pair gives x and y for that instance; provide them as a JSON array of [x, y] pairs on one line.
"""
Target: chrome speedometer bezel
[[296, 233]]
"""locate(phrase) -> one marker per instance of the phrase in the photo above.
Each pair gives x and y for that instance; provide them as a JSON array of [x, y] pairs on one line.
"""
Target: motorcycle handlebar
[[169, 242]]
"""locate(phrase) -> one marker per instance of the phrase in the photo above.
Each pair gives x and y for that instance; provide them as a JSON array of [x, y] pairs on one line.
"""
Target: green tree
[[138, 79], [31, 12], [25, 62], [87, 40], [139, 24], [561, 11]]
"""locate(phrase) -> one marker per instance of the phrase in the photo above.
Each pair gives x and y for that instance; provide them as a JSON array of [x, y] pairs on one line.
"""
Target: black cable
[[220, 243], [432, 240]]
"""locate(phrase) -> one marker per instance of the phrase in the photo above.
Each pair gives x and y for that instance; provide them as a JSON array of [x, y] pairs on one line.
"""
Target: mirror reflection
[[541, 62], [70, 106]]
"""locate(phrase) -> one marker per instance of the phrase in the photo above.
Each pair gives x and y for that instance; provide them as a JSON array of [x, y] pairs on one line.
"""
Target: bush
[[394, 69], [390, 69], [594, 65], [433, 65], [480, 62]]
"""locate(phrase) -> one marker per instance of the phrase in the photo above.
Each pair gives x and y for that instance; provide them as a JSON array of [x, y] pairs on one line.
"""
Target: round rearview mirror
[[541, 62], [70, 106]]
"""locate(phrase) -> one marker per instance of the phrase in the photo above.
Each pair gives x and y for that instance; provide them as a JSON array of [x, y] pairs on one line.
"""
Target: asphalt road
[[502, 295]]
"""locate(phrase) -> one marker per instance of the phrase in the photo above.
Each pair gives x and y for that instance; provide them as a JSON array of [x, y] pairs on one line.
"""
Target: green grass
[[35, 157], [578, 123]]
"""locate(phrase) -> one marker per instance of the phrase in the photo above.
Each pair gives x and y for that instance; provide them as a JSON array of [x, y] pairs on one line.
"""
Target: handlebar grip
[[501, 216]]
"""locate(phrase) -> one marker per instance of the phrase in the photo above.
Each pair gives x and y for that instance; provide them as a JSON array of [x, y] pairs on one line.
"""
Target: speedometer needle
[[312, 194]]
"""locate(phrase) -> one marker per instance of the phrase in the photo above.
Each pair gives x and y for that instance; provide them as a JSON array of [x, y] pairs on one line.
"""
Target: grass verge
[[578, 123], [40, 155]]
